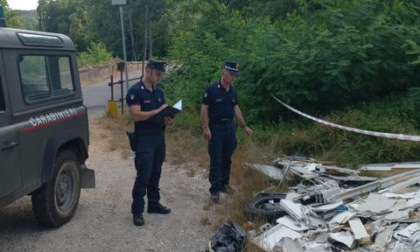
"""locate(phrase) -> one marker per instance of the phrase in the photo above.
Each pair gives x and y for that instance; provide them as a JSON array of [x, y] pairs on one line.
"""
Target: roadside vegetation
[[96, 54]]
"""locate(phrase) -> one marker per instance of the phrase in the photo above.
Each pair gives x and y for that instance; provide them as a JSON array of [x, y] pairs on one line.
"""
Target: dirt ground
[[103, 221]]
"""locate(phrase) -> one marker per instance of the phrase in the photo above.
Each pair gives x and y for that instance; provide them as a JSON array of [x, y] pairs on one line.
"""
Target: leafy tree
[[275, 9], [12, 17], [323, 56], [30, 19]]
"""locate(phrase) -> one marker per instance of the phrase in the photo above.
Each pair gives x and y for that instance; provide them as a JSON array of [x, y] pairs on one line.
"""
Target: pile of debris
[[336, 209]]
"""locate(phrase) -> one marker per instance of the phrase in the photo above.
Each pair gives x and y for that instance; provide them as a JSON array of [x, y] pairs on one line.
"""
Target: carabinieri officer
[[145, 100], [219, 106]]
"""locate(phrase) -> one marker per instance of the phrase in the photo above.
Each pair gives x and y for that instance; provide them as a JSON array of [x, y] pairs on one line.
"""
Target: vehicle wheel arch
[[65, 140]]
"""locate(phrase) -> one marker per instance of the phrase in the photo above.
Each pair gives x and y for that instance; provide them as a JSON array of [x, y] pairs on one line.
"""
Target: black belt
[[152, 131], [221, 121]]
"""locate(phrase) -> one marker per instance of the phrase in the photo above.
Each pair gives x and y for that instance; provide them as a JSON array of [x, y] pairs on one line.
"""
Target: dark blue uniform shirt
[[221, 102], [148, 100]]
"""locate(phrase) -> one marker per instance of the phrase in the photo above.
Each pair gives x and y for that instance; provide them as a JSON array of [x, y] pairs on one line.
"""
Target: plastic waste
[[229, 238]]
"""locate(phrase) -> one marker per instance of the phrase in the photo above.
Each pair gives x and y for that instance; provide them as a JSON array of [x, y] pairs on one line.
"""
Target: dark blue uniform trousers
[[221, 147], [150, 154]]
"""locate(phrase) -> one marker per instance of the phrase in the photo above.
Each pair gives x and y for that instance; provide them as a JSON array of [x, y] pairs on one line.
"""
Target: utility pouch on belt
[[132, 139]]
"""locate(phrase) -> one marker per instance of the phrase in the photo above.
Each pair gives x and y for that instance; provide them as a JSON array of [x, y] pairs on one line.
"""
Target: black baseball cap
[[157, 64]]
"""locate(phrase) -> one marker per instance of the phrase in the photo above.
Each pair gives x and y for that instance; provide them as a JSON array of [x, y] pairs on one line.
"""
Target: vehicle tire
[[262, 207], [55, 203]]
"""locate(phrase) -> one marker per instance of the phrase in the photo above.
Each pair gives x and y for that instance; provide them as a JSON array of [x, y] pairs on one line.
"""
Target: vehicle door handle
[[8, 146]]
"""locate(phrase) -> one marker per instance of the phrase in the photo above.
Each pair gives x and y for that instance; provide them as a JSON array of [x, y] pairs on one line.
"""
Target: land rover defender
[[44, 132]]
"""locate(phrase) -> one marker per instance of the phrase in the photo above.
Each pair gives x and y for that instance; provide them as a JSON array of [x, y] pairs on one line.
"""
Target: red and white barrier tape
[[366, 132]]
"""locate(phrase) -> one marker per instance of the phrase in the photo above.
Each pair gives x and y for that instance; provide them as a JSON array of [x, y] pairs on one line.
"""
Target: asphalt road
[[96, 95]]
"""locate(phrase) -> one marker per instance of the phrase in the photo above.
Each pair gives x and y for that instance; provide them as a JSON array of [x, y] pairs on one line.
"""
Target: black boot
[[138, 219], [228, 190], [158, 208], [215, 198]]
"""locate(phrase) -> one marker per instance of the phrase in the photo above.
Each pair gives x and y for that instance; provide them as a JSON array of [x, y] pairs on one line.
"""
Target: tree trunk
[[150, 41], [146, 23]]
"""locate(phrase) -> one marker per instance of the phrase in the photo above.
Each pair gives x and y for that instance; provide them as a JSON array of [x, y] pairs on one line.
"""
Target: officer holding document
[[145, 100]]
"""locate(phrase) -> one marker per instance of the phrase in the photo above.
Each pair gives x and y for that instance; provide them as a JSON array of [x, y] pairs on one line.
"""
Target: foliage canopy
[[322, 56]]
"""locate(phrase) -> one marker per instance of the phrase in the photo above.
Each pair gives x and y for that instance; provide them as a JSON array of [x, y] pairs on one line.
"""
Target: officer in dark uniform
[[219, 107], [145, 100]]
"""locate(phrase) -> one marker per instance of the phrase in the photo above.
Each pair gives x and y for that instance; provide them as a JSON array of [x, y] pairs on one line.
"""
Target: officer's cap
[[157, 64], [231, 66]]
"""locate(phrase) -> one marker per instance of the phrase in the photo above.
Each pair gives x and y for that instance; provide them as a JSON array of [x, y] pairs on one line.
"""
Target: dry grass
[[205, 221], [117, 142], [185, 150]]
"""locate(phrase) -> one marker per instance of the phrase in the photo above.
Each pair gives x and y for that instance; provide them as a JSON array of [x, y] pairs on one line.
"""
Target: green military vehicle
[[44, 133]]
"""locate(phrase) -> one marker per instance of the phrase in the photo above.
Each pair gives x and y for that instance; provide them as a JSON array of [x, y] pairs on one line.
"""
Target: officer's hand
[[162, 107], [168, 120], [248, 131], [207, 133]]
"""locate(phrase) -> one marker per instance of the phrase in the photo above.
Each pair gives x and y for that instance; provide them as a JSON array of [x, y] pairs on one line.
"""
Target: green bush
[[95, 55], [348, 62], [324, 56], [392, 114]]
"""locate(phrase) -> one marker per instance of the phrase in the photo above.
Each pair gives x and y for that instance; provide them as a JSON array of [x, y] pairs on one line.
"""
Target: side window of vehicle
[[45, 77]]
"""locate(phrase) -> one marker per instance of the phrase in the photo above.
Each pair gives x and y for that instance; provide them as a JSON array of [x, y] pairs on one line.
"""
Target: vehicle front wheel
[[55, 203]]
